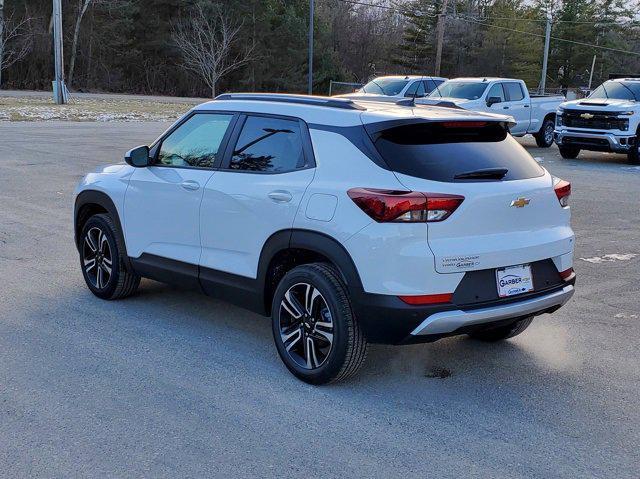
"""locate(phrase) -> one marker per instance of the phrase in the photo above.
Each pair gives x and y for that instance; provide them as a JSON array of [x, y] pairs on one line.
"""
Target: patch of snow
[[609, 258]]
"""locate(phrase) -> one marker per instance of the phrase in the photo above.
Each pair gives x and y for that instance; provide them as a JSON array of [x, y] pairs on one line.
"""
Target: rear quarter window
[[435, 151]]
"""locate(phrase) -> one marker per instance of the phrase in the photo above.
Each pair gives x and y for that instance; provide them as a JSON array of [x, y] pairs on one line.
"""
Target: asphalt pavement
[[171, 383]]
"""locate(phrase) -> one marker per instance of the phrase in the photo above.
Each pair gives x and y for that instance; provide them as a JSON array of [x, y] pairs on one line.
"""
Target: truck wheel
[[544, 138], [633, 156], [316, 333], [569, 152], [503, 332]]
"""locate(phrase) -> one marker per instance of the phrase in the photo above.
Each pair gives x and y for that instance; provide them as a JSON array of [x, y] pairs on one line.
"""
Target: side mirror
[[493, 99], [138, 157]]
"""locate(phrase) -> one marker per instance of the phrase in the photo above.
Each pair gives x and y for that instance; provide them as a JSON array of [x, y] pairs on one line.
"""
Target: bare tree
[[82, 7], [15, 39], [206, 43]]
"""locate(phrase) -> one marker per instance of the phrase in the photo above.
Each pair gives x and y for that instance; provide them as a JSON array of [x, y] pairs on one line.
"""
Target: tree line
[[203, 47]]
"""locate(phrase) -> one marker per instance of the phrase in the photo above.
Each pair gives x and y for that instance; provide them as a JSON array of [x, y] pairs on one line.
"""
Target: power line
[[514, 19], [354, 2], [541, 20], [552, 37]]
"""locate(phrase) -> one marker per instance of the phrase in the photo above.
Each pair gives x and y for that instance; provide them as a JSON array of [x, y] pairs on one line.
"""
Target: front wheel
[[544, 138], [569, 152], [102, 260], [316, 333], [502, 332]]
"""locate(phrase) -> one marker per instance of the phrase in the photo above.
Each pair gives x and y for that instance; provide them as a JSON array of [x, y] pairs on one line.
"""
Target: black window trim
[[307, 149], [154, 149]]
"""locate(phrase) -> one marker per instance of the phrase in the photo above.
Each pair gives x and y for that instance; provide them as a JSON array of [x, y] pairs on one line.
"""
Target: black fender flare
[[333, 250], [94, 197], [314, 242]]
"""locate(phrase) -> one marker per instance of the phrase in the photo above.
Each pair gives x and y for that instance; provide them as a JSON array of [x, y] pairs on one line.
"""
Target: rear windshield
[[442, 151]]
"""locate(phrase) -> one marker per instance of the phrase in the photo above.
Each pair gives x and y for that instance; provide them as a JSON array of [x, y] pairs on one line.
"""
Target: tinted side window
[[496, 91], [429, 86], [411, 91], [196, 142], [420, 92], [514, 91], [268, 145]]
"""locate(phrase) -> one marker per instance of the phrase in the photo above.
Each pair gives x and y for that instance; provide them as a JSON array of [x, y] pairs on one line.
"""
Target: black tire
[[100, 243], [326, 310], [633, 155], [544, 138], [569, 152], [503, 332]]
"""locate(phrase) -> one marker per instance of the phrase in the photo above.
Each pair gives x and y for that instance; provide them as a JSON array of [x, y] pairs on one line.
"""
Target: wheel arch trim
[[99, 198]]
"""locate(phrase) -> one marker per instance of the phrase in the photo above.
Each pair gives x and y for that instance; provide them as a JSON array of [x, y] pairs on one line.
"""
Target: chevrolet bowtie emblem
[[520, 202], [586, 116]]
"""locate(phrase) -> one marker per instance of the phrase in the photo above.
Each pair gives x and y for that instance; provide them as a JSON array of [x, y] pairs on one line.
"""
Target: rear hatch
[[510, 214]]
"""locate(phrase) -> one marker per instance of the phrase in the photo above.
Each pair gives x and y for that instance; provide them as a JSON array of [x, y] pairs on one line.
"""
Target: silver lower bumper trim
[[613, 140], [449, 321]]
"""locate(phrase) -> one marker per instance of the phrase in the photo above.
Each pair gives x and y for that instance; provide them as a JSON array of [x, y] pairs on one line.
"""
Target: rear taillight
[[567, 274], [563, 191], [386, 206]]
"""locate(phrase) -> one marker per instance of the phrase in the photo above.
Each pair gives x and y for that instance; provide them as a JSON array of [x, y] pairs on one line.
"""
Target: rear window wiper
[[483, 174]]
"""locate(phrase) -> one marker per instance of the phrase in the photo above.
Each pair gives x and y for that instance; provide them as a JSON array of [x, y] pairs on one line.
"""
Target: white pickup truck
[[608, 120], [533, 114]]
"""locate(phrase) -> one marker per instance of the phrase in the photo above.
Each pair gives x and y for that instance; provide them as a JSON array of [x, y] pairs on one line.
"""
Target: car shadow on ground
[[205, 323]]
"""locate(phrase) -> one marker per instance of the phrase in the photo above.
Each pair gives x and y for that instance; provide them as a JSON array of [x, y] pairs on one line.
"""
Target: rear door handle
[[190, 185], [505, 107], [526, 106], [280, 196]]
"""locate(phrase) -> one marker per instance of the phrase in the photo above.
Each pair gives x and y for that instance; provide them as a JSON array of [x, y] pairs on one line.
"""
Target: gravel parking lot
[[171, 383]]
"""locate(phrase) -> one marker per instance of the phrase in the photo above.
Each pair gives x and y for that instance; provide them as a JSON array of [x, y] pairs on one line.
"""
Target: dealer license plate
[[514, 280]]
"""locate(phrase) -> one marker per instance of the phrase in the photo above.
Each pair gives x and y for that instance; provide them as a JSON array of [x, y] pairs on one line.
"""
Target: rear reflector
[[427, 299], [563, 191], [404, 206], [567, 274]]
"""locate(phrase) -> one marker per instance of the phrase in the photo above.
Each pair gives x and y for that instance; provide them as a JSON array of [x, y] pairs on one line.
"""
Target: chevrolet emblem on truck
[[586, 116], [520, 202]]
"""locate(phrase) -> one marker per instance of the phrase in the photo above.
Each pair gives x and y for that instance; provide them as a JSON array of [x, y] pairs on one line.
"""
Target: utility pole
[[57, 49], [1, 35], [593, 65], [310, 87], [440, 35], [545, 59]]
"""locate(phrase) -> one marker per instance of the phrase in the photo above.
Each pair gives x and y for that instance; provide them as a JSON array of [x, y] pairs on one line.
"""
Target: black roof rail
[[343, 103]]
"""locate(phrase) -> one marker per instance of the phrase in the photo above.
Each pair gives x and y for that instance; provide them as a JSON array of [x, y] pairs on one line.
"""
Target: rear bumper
[[450, 321], [594, 141], [388, 320]]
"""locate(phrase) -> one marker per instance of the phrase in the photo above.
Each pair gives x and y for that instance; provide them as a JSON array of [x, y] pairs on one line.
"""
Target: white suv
[[346, 222]]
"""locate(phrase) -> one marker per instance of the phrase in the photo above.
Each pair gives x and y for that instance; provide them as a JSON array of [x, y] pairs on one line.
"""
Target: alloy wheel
[[306, 326], [97, 259], [548, 134]]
